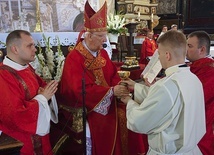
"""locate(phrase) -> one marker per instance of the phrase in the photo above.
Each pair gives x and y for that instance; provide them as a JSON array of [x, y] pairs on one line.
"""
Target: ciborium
[[123, 76]]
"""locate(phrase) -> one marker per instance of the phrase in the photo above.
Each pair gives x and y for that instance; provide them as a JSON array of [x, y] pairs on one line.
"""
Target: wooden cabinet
[[9, 146], [198, 15]]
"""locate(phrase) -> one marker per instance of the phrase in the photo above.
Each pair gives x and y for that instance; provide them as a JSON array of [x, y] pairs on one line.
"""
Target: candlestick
[[38, 23]]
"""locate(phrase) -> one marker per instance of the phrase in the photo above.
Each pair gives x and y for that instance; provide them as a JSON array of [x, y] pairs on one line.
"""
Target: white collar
[[169, 71], [92, 52], [13, 64]]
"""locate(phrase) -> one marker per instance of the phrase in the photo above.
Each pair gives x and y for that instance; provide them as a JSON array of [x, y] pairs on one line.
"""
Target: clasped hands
[[123, 89], [49, 90]]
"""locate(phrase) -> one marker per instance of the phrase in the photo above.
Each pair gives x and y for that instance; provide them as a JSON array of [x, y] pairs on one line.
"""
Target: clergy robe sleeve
[[154, 114], [54, 109], [43, 123], [141, 94]]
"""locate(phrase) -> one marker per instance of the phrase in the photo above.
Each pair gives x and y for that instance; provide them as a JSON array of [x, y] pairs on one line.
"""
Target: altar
[[65, 38]]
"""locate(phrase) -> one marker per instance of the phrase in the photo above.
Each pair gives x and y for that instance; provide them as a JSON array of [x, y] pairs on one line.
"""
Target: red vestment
[[19, 111], [100, 75], [204, 70], [148, 48]]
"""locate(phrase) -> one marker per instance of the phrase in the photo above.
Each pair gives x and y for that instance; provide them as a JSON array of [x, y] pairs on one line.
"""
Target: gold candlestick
[[38, 23]]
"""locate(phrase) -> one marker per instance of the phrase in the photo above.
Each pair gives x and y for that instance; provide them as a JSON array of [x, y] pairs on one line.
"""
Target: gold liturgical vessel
[[123, 76]]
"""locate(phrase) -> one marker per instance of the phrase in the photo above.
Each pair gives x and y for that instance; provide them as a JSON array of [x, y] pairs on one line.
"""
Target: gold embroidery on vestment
[[94, 64]]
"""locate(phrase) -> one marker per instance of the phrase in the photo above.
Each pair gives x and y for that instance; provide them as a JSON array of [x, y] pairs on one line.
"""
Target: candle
[[19, 8], [0, 9], [15, 25], [152, 17], [139, 16], [27, 25], [21, 23], [10, 9]]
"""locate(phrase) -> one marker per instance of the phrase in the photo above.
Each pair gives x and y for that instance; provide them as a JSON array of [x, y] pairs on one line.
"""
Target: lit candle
[[152, 17]]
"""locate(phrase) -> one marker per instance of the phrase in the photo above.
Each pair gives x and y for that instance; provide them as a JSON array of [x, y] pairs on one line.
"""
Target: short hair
[[164, 26], [174, 25], [15, 36], [175, 40], [203, 39]]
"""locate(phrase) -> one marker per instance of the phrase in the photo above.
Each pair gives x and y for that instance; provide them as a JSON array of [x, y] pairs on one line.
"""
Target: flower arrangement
[[115, 24], [49, 64]]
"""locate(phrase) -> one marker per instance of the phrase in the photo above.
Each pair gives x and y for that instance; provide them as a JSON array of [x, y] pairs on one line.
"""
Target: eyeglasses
[[100, 35]]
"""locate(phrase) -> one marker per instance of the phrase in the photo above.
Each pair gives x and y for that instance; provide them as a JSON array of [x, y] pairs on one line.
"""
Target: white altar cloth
[[66, 38]]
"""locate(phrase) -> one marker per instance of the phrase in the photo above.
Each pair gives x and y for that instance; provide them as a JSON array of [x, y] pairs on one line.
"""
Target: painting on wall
[[55, 16], [166, 6]]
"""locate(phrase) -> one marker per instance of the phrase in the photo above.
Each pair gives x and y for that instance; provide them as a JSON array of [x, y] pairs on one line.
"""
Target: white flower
[[49, 65], [46, 74], [50, 60], [115, 23]]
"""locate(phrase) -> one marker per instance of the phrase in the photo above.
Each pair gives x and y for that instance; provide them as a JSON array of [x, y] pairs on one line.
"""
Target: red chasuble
[[19, 112], [100, 74], [204, 70], [148, 48]]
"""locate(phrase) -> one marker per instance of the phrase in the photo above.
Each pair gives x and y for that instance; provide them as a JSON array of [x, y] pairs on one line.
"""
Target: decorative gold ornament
[[154, 23], [130, 63], [38, 27], [70, 48], [1, 53], [153, 1]]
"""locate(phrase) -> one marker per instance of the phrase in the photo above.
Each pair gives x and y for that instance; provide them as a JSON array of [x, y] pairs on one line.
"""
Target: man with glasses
[[89, 62]]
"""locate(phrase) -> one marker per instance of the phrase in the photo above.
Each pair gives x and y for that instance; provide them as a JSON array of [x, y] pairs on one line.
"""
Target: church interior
[[57, 24]]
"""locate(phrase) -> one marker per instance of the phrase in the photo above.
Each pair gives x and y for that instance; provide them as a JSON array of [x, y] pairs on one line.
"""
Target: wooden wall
[[189, 15]]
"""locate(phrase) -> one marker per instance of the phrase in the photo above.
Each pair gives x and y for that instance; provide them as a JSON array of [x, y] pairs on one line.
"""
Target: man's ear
[[168, 55], [90, 36], [13, 49], [203, 50]]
